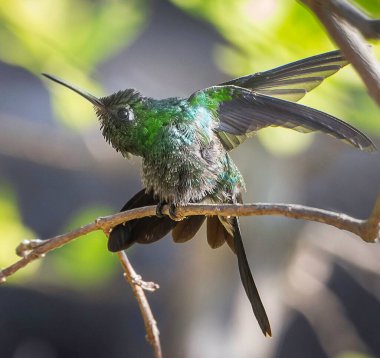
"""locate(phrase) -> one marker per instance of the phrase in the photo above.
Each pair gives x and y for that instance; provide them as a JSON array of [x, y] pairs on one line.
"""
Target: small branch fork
[[138, 287], [348, 27], [368, 230]]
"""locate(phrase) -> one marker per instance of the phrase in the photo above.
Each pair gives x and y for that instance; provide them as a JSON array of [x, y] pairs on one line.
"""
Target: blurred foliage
[[353, 355], [82, 264], [71, 38], [284, 142], [68, 38], [85, 263], [12, 232], [262, 34], [372, 7]]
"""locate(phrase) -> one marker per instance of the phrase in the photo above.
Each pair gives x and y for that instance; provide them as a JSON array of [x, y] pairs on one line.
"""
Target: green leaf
[[371, 7]]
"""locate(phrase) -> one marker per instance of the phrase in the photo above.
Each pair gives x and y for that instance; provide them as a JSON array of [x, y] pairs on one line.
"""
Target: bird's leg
[[159, 208], [172, 211]]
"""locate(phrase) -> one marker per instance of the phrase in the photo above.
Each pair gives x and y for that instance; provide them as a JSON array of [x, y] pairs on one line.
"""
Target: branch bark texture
[[134, 280], [367, 230], [347, 25]]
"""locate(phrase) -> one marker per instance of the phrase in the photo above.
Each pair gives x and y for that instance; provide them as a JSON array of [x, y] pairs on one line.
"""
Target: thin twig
[[345, 26], [138, 286], [371, 227], [134, 280], [367, 230], [369, 28]]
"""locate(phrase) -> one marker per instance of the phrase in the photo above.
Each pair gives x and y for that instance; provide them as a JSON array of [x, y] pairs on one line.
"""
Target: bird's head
[[115, 113]]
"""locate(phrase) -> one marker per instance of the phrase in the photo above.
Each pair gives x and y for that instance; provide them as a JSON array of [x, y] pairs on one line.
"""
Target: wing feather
[[242, 112], [145, 230], [292, 81]]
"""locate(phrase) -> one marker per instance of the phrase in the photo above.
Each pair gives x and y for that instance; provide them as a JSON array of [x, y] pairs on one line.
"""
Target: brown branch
[[138, 286], [369, 28], [345, 26], [371, 227], [367, 230], [134, 280]]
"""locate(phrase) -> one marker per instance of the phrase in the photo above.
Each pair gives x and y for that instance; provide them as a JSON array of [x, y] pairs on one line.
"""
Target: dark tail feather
[[217, 233], [248, 283], [145, 230], [230, 242], [119, 238], [187, 228]]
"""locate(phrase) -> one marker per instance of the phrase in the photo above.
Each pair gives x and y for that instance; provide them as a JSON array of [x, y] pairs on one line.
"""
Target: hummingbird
[[185, 143]]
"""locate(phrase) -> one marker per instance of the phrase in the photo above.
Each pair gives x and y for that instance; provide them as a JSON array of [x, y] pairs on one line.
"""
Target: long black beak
[[95, 101]]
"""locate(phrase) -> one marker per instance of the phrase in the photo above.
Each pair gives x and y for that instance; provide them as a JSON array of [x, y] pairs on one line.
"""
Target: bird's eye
[[124, 114]]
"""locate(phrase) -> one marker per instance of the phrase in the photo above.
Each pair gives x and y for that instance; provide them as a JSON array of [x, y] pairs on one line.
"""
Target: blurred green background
[[320, 286]]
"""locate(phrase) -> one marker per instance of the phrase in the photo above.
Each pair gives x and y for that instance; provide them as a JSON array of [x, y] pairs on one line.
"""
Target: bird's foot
[[159, 208], [172, 212]]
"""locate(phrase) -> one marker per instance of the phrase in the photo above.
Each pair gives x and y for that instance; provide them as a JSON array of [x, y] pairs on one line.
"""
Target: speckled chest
[[186, 164]]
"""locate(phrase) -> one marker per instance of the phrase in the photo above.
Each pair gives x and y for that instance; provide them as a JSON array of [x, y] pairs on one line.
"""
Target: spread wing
[[289, 82], [242, 112], [292, 81]]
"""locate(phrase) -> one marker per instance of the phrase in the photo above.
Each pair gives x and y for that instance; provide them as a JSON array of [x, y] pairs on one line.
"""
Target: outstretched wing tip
[[362, 142], [371, 148], [292, 81], [248, 112]]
